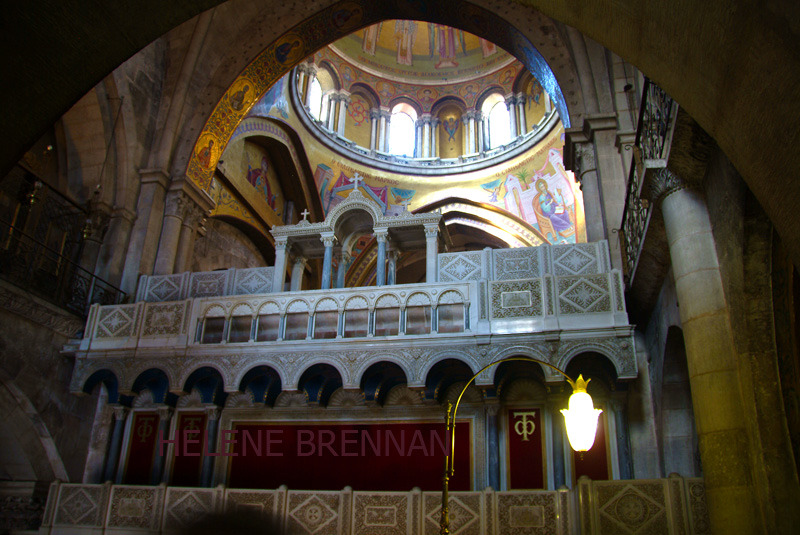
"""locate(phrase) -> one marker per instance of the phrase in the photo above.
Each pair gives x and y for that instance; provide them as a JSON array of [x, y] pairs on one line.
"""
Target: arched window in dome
[[315, 104], [403, 130], [498, 120]]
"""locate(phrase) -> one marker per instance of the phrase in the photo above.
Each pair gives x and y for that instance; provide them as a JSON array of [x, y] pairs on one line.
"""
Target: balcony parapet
[[674, 505]]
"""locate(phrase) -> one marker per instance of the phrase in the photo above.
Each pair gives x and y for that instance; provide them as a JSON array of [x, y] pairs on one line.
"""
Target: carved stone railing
[[651, 151], [158, 288], [672, 505], [550, 303]]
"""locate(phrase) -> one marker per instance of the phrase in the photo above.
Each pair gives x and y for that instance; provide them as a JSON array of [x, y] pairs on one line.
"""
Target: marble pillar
[[195, 216], [492, 445], [143, 243], [391, 267], [164, 417], [341, 269], [327, 260], [431, 252], [210, 446], [174, 214], [511, 104], [380, 267], [374, 117], [434, 138], [344, 103], [523, 127], [298, 268], [711, 357], [115, 446], [279, 275]]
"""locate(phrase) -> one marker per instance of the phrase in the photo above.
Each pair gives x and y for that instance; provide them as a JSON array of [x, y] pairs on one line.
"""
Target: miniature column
[[711, 357], [298, 268], [391, 269], [209, 446], [344, 103], [374, 117], [280, 264], [380, 278], [418, 139], [386, 117], [465, 125], [327, 239], [521, 114], [492, 444], [164, 416], [481, 130], [431, 252], [341, 269], [174, 214], [426, 136], [120, 415], [333, 103], [434, 137], [511, 104]]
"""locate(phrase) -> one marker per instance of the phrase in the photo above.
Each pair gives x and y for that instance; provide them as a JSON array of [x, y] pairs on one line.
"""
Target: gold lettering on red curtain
[[525, 448], [188, 449], [141, 447]]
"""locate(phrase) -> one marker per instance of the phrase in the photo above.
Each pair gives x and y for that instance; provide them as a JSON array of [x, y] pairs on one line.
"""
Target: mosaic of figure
[[405, 33]]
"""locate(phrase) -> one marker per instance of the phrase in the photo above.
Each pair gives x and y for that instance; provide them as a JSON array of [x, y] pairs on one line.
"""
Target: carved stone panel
[[135, 507], [513, 264], [516, 299], [460, 267], [382, 514], [116, 321]]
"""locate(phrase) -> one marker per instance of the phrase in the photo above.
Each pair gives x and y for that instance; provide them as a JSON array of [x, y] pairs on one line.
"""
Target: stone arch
[[153, 379], [358, 373], [107, 378], [183, 378], [26, 442], [379, 378], [320, 359], [590, 347]]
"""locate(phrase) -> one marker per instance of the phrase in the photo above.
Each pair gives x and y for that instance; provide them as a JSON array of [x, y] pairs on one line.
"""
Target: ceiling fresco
[[421, 53]]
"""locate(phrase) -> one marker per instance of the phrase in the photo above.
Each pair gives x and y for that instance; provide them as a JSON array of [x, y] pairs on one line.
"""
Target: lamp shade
[[581, 417]]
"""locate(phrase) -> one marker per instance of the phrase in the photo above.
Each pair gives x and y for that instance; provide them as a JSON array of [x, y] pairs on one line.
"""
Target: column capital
[[431, 231], [281, 241], [374, 113], [663, 184], [176, 204], [381, 235], [212, 412], [386, 113], [511, 100], [120, 412], [164, 413], [327, 239]]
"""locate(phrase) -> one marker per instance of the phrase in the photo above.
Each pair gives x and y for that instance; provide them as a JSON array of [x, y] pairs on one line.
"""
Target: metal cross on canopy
[[304, 213]]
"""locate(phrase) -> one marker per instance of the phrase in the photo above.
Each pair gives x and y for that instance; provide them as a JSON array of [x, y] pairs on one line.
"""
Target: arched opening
[[498, 121], [402, 131]]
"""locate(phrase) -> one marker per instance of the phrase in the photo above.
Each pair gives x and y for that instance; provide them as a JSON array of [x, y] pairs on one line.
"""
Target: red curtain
[[187, 457], [141, 448], [525, 442], [386, 456]]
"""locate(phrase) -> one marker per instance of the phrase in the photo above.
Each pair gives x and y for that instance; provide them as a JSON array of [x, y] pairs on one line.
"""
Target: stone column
[[164, 417], [620, 411], [431, 252], [711, 357], [386, 117], [344, 103], [301, 84], [195, 216], [585, 169], [174, 214], [110, 261], [548, 105], [144, 237], [480, 127], [465, 143], [298, 268], [380, 267], [426, 135], [327, 240], [341, 269], [333, 108], [492, 445], [209, 446], [434, 137], [374, 116], [559, 473], [472, 132], [280, 264], [382, 130], [417, 139], [521, 114], [115, 446], [391, 269], [511, 104]]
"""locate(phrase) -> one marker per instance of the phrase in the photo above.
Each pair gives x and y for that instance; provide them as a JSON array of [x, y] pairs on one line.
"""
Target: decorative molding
[[38, 311], [664, 183]]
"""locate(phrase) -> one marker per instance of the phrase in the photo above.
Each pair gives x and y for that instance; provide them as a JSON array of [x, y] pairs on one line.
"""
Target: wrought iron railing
[[32, 265], [652, 143]]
